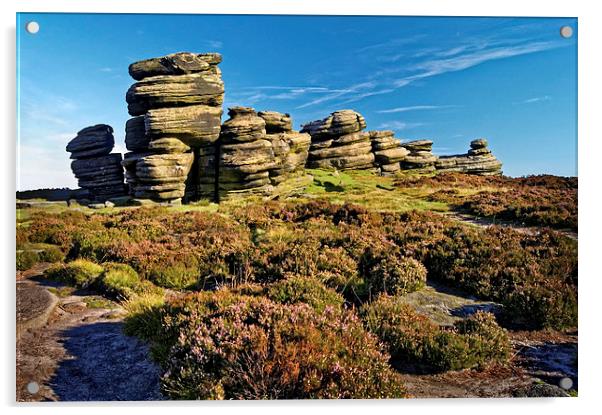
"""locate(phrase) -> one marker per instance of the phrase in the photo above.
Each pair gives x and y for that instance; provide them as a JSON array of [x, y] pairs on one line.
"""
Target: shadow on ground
[[105, 365]]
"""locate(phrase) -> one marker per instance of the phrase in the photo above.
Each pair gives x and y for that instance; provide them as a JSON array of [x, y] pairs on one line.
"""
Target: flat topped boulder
[[93, 141], [478, 143], [174, 64], [418, 145], [276, 122], [338, 123]]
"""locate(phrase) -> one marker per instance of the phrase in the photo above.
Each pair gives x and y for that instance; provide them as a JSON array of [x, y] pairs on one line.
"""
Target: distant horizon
[[448, 79]]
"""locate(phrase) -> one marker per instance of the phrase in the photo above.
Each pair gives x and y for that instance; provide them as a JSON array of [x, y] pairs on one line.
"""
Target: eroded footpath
[[70, 344]]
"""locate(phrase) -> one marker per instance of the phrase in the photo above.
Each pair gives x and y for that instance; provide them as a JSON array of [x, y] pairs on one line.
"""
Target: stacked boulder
[[338, 142], [96, 169], [243, 158], [388, 152], [176, 105], [421, 158], [479, 160], [290, 147]]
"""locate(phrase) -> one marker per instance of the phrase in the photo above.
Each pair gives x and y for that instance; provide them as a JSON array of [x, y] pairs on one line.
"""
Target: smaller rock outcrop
[[388, 152], [96, 169], [242, 159], [421, 158], [338, 142], [290, 147], [478, 160]]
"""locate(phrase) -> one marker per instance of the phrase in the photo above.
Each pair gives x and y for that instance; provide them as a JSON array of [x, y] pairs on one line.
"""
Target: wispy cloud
[[461, 61], [415, 108], [215, 44], [352, 92], [399, 125], [106, 69], [536, 99]]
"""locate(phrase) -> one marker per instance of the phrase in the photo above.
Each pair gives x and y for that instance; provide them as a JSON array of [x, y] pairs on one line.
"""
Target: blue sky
[[512, 80]]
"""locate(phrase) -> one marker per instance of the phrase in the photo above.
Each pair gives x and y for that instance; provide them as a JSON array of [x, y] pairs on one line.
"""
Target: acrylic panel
[[295, 207]]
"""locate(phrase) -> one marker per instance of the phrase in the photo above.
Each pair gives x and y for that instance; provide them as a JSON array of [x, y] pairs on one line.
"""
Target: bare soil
[[80, 352]]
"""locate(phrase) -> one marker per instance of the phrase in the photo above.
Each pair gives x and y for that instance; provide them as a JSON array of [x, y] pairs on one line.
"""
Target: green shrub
[[533, 276], [177, 275], [51, 253], [27, 259], [387, 271], [80, 273], [229, 346], [144, 320], [413, 339], [298, 289], [122, 282]]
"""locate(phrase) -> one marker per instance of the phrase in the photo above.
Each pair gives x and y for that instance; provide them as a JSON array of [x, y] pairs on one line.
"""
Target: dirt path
[[81, 353]]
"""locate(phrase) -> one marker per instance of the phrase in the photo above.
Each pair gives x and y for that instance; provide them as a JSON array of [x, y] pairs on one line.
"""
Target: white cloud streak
[[415, 108]]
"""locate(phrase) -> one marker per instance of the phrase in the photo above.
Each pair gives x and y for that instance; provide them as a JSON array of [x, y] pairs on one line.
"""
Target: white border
[[590, 136]]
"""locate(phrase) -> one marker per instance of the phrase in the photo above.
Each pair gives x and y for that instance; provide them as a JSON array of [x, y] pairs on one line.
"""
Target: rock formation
[[338, 141], [421, 158], [388, 152], [96, 170], [176, 105], [290, 147], [479, 160], [243, 157]]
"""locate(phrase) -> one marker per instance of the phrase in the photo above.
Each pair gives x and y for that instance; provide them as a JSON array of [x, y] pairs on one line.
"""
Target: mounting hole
[[32, 27], [33, 387], [566, 383], [566, 32]]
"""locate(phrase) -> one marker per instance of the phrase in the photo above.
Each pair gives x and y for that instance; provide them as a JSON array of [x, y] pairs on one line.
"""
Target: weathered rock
[[354, 149], [388, 152], [276, 122], [479, 160], [204, 88], [479, 143], [98, 172], [174, 64], [291, 152], [419, 145], [390, 156], [336, 124], [135, 134], [359, 162], [92, 141], [421, 159], [244, 125], [162, 176], [168, 145], [195, 125], [337, 142], [101, 176]]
